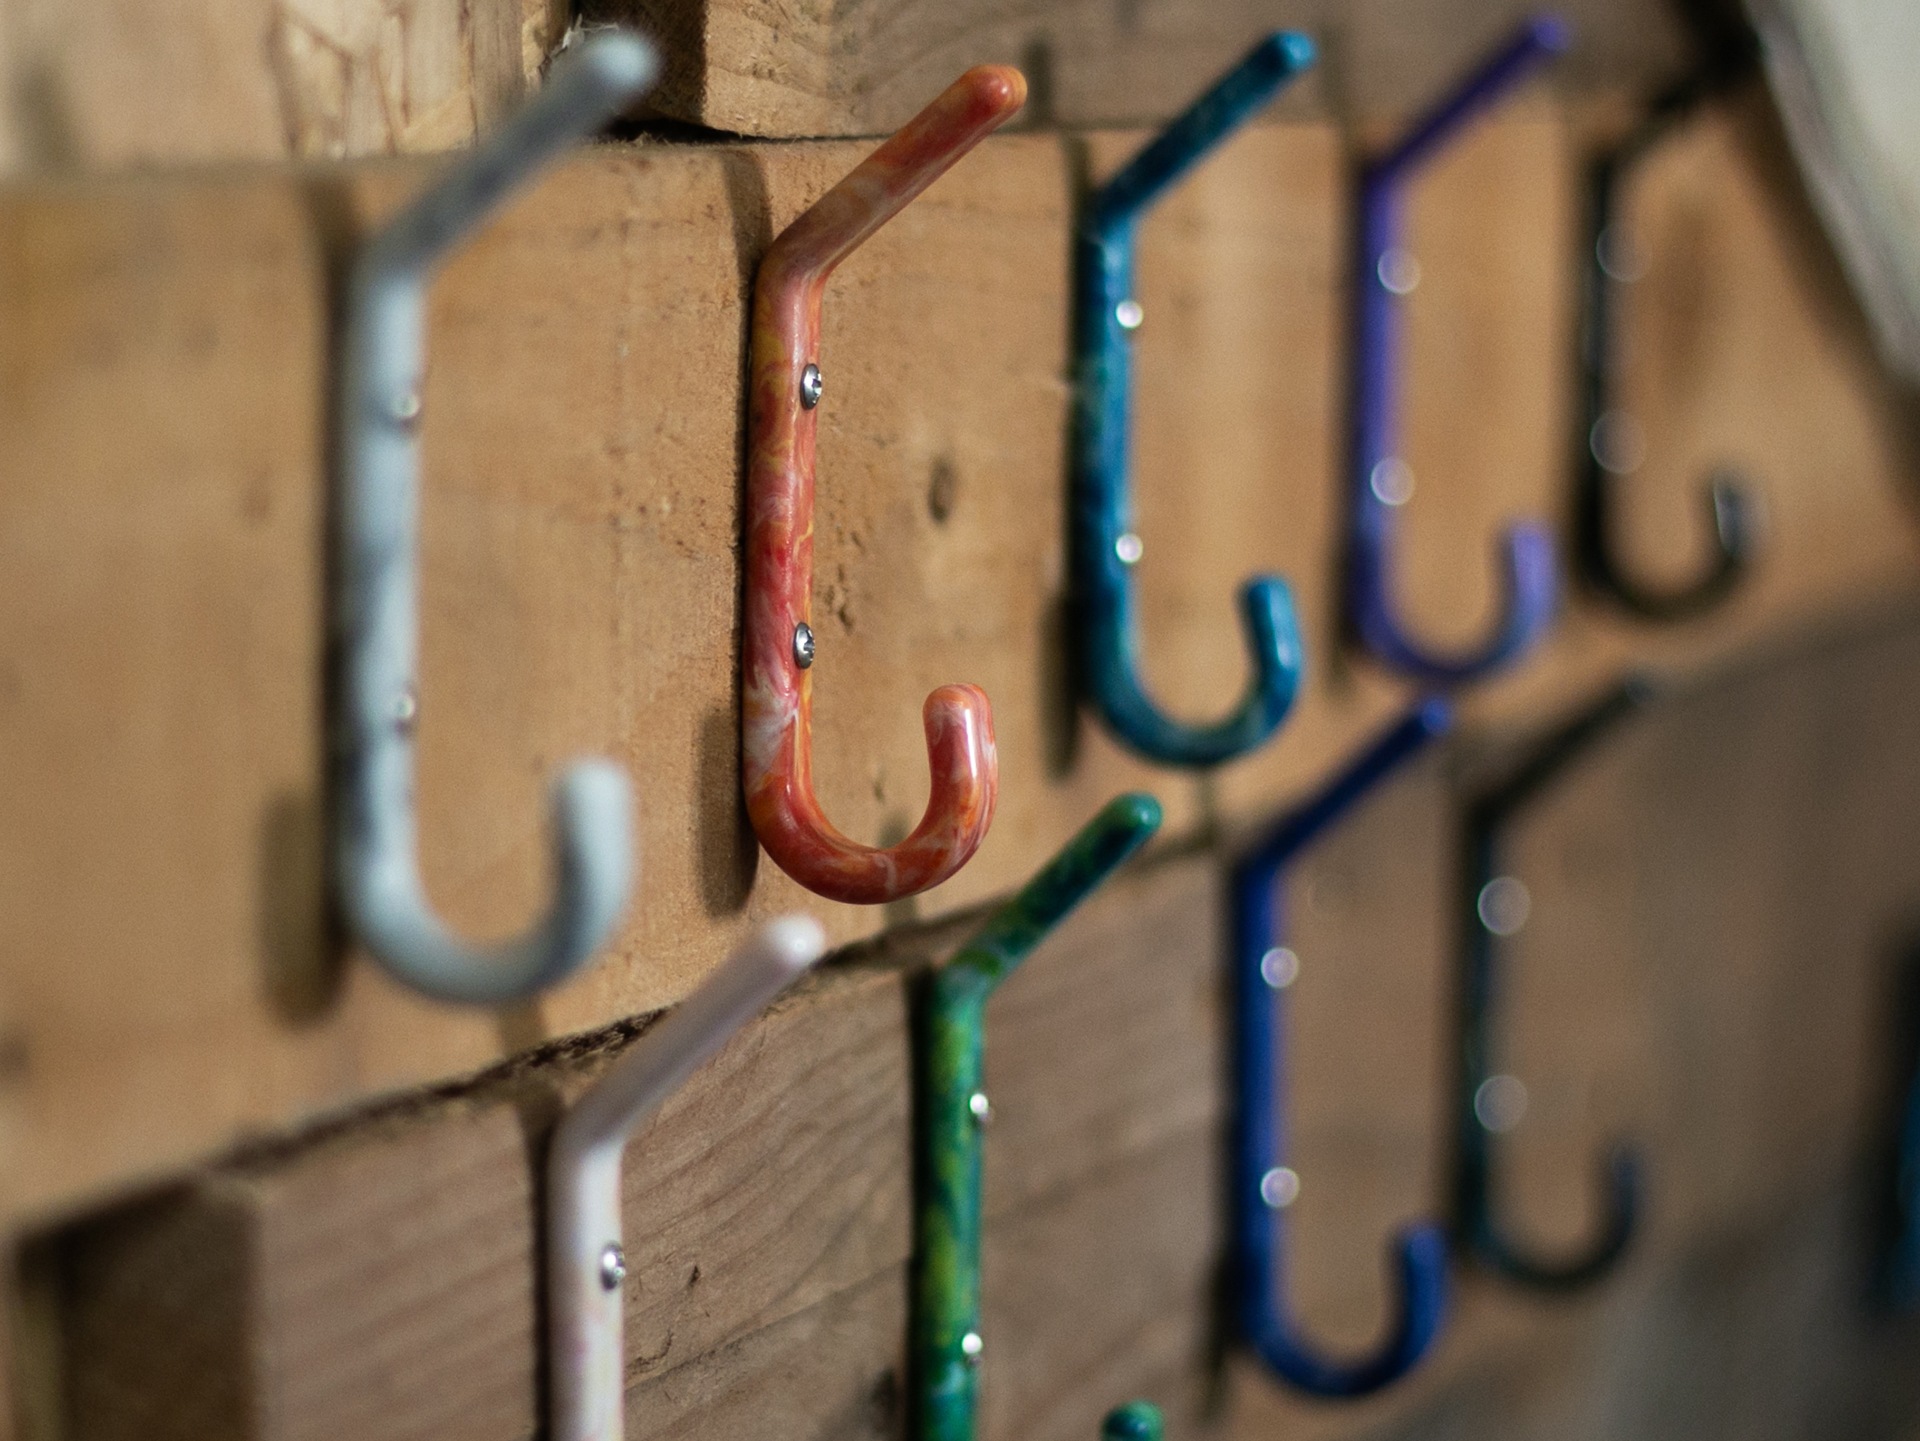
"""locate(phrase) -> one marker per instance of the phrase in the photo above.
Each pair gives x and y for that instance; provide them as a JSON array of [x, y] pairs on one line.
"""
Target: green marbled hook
[[946, 1334]]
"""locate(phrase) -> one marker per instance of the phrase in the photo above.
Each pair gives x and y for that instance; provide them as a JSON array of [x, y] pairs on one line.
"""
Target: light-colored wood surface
[[1658, 993], [126, 84], [781, 68], [161, 434]]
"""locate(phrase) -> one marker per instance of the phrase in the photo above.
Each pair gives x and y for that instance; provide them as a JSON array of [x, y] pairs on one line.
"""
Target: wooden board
[[123, 84], [162, 368], [1655, 994], [773, 67]]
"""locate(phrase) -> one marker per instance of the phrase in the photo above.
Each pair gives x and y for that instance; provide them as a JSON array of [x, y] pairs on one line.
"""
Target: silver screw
[[406, 709], [1280, 1188], [1129, 548], [1499, 1103], [980, 1107], [971, 1346], [1504, 905], [812, 384], [613, 1266], [1391, 481], [1618, 443], [803, 645], [1279, 968], [405, 407], [1130, 314], [1618, 256], [1399, 271]]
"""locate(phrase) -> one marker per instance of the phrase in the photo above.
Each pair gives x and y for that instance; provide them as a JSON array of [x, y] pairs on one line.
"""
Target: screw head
[[980, 1107], [1280, 1188], [1399, 271], [406, 710], [1391, 481], [812, 386], [803, 645], [613, 1266], [405, 407], [1280, 968], [1504, 905], [1500, 1103], [1129, 314], [971, 1346], [1129, 548]]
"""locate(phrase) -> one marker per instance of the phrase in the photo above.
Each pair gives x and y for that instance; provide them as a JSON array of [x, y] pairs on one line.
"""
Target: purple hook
[[1529, 583]]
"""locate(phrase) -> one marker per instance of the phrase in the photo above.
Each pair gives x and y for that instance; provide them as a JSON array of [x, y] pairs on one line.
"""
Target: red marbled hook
[[776, 693]]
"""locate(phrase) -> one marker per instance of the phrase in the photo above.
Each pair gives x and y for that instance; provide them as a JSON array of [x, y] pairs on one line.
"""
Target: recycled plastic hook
[[1477, 1106], [1263, 1185], [377, 598], [1105, 546], [953, 1109], [1604, 446], [776, 694], [1380, 480], [586, 1262]]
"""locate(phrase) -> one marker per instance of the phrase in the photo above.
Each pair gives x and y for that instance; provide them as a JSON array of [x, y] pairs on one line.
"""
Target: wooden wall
[[235, 1152]]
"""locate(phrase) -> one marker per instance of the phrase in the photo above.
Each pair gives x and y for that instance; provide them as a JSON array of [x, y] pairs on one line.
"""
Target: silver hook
[[377, 598], [585, 1262]]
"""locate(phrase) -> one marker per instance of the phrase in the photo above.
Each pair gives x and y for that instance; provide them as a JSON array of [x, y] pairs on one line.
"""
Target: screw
[[1504, 905], [1279, 968], [1499, 1103], [1391, 481], [980, 1107], [971, 1346], [1130, 314], [811, 386], [613, 1266], [1129, 549], [1618, 443], [405, 407], [1280, 1188], [803, 645], [406, 710], [1398, 271]]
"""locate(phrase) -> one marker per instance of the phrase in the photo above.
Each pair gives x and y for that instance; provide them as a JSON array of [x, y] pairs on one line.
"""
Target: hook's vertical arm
[[776, 694], [1261, 974], [1102, 523], [1480, 1234], [1731, 514], [1528, 581], [951, 1050], [377, 597], [585, 1260]]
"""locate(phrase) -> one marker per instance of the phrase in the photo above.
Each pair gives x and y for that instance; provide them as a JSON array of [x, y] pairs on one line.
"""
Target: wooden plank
[[580, 581], [121, 84], [776, 68]]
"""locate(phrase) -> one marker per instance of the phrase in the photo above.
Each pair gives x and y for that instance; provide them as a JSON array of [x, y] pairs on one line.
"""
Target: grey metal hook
[[376, 616]]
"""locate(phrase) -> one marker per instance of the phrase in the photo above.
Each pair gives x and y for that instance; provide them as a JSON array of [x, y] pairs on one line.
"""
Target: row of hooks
[[587, 1265], [376, 619], [383, 359]]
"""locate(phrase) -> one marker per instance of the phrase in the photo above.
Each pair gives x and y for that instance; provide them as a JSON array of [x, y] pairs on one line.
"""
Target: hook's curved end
[[593, 862], [966, 783], [1275, 652], [1135, 1421], [1529, 596], [1420, 1270], [1620, 1185]]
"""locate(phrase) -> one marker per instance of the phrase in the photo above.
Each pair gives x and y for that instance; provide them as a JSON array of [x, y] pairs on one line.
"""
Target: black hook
[[1478, 1233], [1600, 451]]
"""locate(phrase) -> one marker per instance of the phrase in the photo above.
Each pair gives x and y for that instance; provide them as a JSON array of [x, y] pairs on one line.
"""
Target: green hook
[[953, 1109]]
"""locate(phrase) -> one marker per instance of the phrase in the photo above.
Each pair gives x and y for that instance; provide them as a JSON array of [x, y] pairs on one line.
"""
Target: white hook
[[382, 362], [585, 1262]]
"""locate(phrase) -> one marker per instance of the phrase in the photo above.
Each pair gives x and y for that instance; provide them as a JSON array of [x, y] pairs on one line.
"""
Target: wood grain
[[163, 353], [783, 68]]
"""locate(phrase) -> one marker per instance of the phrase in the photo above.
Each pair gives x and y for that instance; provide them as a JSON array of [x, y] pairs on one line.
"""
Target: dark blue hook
[[1262, 1186], [1487, 815], [1528, 582], [1730, 509], [1104, 544]]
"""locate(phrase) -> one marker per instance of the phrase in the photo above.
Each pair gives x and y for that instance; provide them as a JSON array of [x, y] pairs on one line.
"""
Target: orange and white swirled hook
[[776, 690]]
